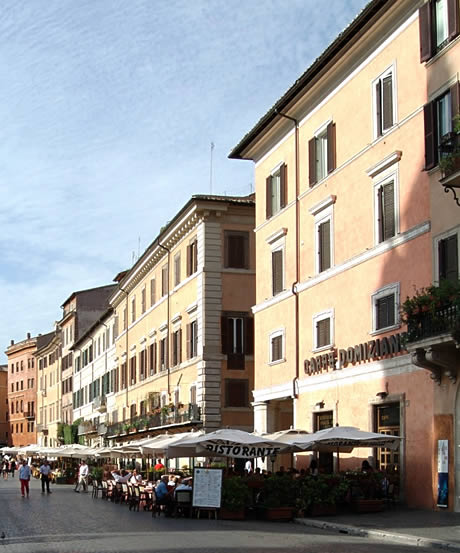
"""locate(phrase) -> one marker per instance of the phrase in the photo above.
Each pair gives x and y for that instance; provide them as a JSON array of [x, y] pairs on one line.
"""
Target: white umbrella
[[158, 446], [344, 439], [288, 436], [226, 442]]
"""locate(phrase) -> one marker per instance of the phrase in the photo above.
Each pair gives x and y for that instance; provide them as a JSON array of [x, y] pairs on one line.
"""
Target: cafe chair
[[183, 503]]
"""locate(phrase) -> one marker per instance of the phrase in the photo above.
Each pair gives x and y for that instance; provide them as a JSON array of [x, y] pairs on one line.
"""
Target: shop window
[[387, 421]]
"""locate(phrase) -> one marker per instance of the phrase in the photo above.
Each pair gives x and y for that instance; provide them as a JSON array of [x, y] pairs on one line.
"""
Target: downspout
[[295, 381], [126, 345], [167, 316]]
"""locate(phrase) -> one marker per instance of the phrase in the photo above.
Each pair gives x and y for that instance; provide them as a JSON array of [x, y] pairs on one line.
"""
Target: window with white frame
[[446, 256], [384, 102], [438, 25], [276, 190], [323, 330], [277, 243], [321, 153], [385, 308], [276, 346], [324, 232], [386, 207]]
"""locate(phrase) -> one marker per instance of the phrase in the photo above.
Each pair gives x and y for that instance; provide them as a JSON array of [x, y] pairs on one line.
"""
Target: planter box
[[279, 513], [368, 505], [322, 509], [225, 514]]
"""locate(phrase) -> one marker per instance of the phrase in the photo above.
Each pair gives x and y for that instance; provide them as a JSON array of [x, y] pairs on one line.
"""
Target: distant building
[[22, 391], [4, 424]]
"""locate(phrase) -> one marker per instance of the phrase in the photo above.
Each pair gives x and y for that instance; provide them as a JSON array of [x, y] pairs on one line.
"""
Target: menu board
[[207, 487]]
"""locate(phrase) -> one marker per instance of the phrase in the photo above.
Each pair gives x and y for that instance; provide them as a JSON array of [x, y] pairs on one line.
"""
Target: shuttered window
[[153, 358], [448, 258], [324, 246], [277, 272], [323, 333], [143, 301], [386, 211], [276, 191], [192, 257], [237, 337], [192, 339], [164, 280], [163, 354], [152, 292], [177, 347], [236, 393], [438, 25], [236, 254], [276, 347], [177, 269], [132, 370], [322, 154], [384, 115], [385, 311]]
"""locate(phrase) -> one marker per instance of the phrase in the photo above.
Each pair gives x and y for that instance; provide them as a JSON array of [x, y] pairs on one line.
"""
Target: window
[[132, 411], [193, 394], [384, 100], [192, 339], [163, 350], [152, 292], [132, 370], [277, 271], [276, 190], [153, 358], [446, 247], [236, 393], [192, 257], [385, 207], [133, 309], [142, 364], [276, 346], [124, 376], [385, 304], [125, 317], [237, 331], [321, 154], [177, 347], [143, 301], [177, 269], [438, 118], [438, 25], [323, 330], [164, 280], [323, 243], [236, 254]]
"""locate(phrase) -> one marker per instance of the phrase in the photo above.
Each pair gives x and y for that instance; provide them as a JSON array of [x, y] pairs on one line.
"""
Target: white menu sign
[[207, 487]]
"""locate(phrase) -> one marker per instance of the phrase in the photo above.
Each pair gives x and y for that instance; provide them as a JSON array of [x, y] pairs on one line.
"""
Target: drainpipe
[[167, 316], [126, 346], [295, 381]]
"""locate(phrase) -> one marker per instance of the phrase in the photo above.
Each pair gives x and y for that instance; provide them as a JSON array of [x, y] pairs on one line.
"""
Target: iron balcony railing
[[86, 427], [428, 324], [162, 416]]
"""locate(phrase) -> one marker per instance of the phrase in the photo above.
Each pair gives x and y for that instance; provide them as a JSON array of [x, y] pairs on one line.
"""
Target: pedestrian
[[248, 466], [45, 470], [82, 477], [12, 467], [24, 477], [6, 468]]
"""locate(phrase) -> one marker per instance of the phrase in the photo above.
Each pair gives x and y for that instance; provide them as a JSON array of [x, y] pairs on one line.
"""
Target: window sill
[[441, 52], [384, 330], [277, 362], [323, 348]]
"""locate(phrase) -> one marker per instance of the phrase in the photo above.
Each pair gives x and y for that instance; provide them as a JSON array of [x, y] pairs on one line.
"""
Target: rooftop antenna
[[138, 247], [210, 169]]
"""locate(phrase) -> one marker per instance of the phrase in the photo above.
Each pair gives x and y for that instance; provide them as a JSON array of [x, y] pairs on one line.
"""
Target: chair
[[96, 487], [104, 489], [110, 490], [183, 503], [135, 498], [124, 493]]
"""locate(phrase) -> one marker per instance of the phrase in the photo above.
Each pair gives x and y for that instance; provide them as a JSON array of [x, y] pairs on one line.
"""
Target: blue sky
[[105, 101]]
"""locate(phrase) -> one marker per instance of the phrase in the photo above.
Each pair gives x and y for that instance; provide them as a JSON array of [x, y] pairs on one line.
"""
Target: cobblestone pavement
[[67, 522]]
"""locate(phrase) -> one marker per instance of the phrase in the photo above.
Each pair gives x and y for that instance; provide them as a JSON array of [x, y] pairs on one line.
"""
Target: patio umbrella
[[158, 446], [343, 439], [288, 436], [226, 442]]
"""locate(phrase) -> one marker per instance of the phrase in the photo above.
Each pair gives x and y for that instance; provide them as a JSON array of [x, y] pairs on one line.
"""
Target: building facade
[[183, 327], [4, 414], [22, 391], [348, 216]]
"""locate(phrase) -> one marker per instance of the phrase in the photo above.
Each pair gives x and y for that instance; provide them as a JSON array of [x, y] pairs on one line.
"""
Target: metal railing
[[428, 324], [162, 416]]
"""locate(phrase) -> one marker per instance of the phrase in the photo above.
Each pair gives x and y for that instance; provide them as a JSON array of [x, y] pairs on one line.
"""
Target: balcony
[[449, 163], [102, 429], [29, 415], [41, 428], [100, 404], [86, 427], [160, 417], [433, 339]]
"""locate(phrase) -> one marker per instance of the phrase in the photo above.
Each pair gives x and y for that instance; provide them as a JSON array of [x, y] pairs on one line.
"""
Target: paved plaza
[[67, 522]]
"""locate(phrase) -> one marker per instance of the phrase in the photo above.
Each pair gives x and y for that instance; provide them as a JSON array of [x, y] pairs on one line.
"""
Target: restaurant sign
[[369, 351], [236, 450]]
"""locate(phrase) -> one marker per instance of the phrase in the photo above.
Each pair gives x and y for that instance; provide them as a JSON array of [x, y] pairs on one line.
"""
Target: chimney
[[12, 343], [28, 335]]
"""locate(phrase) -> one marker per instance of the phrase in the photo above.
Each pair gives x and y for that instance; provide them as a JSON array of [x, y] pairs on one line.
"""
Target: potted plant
[[235, 495], [96, 473], [319, 495], [449, 161], [127, 427], [366, 492], [278, 498]]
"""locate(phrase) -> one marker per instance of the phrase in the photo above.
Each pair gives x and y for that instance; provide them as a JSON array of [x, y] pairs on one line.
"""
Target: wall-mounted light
[[381, 395], [320, 405]]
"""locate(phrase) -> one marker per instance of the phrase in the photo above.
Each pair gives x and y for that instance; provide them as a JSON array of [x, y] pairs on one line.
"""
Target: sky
[[108, 109]]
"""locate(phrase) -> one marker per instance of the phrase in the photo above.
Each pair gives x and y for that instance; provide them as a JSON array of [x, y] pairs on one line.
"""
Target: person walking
[[12, 467], [82, 477], [24, 478], [45, 470], [6, 468]]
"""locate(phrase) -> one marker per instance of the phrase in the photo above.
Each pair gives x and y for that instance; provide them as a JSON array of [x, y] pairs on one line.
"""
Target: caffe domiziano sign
[[361, 353]]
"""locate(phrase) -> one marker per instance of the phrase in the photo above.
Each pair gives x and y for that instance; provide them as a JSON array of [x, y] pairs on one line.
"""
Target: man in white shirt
[[122, 478], [82, 477], [24, 478], [135, 478], [45, 471]]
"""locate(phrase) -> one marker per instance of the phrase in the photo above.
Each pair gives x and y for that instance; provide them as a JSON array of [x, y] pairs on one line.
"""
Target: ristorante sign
[[240, 450], [361, 353]]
